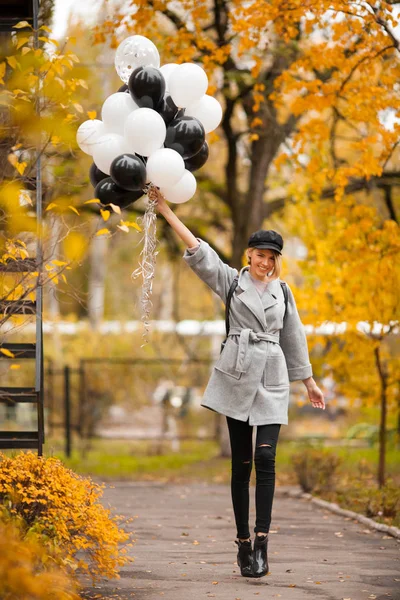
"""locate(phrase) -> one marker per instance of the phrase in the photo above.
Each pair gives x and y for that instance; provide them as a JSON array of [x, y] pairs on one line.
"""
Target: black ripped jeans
[[241, 437]]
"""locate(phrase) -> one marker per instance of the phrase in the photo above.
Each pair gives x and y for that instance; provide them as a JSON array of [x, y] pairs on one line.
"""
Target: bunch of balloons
[[152, 129]]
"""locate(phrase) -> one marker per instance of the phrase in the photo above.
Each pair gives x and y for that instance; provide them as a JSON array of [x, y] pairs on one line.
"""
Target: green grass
[[200, 461]]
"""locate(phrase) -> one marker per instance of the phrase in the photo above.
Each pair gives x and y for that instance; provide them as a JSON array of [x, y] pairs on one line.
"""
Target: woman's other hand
[[314, 393]]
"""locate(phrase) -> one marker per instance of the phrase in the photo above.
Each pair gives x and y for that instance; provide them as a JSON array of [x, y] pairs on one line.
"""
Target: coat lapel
[[250, 297], [271, 294]]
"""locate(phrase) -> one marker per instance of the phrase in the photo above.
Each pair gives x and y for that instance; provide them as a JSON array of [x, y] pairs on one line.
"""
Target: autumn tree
[[308, 85]]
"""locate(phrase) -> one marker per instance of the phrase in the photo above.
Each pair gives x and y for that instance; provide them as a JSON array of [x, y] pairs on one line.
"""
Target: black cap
[[266, 239]]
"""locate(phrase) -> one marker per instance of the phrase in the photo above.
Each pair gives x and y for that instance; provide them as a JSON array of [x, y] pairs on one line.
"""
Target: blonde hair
[[278, 260]]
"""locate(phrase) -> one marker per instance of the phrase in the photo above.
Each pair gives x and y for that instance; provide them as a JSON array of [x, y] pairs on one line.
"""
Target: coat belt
[[247, 336]]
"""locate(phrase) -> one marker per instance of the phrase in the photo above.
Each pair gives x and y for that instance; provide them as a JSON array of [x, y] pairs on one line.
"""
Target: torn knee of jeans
[[264, 446], [246, 462]]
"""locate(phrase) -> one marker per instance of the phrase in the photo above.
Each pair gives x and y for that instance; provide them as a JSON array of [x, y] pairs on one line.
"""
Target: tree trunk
[[382, 424], [98, 256]]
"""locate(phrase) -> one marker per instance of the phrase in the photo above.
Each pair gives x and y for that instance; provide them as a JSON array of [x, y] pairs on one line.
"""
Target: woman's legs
[[264, 460], [240, 435]]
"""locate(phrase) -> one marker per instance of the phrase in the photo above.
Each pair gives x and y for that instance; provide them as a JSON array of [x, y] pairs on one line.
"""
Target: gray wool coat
[[263, 353]]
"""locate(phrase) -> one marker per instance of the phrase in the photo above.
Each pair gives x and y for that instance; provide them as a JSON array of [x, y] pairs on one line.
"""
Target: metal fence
[[129, 399]]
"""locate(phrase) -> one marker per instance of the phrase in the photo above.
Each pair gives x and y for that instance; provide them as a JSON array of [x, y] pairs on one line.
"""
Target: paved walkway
[[184, 550]]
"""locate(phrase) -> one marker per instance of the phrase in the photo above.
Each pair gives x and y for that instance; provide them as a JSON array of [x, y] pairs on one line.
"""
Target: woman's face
[[262, 262]]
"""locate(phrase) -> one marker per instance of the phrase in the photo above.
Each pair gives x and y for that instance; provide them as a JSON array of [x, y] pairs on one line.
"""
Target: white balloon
[[135, 51], [187, 84], [166, 71], [108, 147], [208, 111], [165, 167], [88, 134], [181, 191], [115, 110], [144, 131]]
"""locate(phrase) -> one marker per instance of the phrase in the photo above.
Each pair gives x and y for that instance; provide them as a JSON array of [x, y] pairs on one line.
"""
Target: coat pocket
[[275, 372], [227, 360]]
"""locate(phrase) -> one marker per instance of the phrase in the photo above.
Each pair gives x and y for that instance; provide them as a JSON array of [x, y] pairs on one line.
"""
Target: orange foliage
[[64, 511]]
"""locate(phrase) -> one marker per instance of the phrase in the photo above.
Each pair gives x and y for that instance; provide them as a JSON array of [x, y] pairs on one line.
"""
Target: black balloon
[[147, 86], [185, 135], [123, 88], [129, 172], [109, 192], [167, 109], [198, 160], [95, 175]]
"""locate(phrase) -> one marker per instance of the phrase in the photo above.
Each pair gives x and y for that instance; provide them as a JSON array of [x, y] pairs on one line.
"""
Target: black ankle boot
[[260, 556], [245, 558]]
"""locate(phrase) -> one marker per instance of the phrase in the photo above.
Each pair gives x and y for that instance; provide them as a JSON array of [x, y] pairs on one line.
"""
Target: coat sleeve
[[207, 265], [294, 343]]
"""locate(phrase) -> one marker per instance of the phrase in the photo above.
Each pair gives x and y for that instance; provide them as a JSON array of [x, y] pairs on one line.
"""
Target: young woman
[[265, 350]]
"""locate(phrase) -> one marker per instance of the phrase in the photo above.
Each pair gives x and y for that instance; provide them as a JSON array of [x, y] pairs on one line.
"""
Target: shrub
[[25, 572], [63, 509], [315, 469], [377, 503]]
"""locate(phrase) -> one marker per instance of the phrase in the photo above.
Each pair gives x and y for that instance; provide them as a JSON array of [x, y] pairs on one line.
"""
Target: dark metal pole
[[67, 408], [39, 259]]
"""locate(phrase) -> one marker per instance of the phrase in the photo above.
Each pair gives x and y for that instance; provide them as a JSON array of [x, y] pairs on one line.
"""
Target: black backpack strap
[[286, 296], [228, 302]]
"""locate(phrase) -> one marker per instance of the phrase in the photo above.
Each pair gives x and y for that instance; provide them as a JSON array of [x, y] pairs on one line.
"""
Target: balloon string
[[148, 255]]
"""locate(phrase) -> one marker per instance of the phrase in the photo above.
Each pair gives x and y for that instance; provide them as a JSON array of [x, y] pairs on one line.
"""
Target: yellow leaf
[[7, 352], [254, 137], [58, 263], [102, 231], [14, 367], [21, 42], [123, 228], [74, 57], [50, 206], [2, 71], [12, 159], [53, 41], [55, 140], [64, 278], [78, 107], [22, 24], [21, 167], [131, 224], [115, 208], [93, 201], [45, 28], [55, 279], [12, 61], [74, 209], [25, 50], [92, 114], [72, 39], [105, 214]]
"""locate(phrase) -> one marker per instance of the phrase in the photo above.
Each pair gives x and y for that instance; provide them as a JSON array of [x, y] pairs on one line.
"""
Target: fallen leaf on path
[[215, 582], [292, 585]]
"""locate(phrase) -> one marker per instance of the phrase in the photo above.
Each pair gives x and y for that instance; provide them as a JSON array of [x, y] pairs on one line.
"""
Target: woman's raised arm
[[180, 229]]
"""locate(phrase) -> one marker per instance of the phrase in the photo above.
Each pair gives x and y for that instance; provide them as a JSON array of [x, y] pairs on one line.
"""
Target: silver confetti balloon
[[135, 51]]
